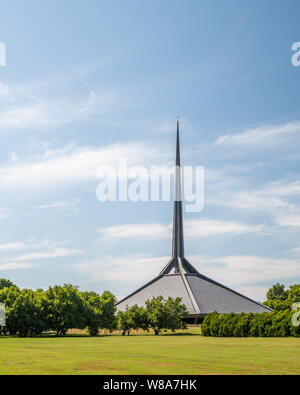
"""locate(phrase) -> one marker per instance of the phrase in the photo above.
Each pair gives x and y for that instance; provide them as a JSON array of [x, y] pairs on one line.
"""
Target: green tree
[[100, 311], [26, 315], [279, 301], [64, 308], [163, 315], [8, 297], [92, 312], [133, 318], [176, 312], [278, 305], [277, 292], [5, 283], [108, 310], [294, 294]]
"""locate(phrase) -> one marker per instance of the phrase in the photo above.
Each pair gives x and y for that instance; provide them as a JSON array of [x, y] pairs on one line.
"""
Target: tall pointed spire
[[178, 262], [178, 243]]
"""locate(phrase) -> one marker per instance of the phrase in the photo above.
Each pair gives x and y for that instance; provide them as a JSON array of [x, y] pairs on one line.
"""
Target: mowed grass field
[[184, 353]]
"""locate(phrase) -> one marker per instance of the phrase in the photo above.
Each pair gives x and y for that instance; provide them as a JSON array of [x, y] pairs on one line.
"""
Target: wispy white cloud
[[54, 253], [206, 227], [71, 204], [37, 253], [295, 251], [72, 166], [193, 229], [122, 273], [289, 220], [45, 112], [155, 230], [283, 188], [28, 244], [12, 93], [14, 157], [33, 105], [280, 200], [260, 137], [15, 266], [13, 246], [243, 269], [3, 213]]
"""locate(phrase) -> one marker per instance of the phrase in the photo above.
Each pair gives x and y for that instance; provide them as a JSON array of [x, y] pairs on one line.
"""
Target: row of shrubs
[[60, 308], [275, 324], [278, 323]]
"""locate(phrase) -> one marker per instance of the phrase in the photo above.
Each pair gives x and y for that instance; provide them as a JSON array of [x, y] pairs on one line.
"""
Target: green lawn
[[148, 354]]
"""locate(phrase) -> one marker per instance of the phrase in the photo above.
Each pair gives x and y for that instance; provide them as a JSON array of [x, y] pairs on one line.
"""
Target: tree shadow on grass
[[52, 336], [100, 335], [181, 334]]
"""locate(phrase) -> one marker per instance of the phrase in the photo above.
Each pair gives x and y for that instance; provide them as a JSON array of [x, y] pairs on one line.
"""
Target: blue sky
[[89, 82]]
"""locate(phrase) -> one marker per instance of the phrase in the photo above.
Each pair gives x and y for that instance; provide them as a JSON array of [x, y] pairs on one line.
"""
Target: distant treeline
[[278, 323], [60, 308]]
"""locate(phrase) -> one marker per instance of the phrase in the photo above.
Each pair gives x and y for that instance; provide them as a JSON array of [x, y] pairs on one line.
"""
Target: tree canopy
[[277, 292], [4, 283], [58, 309], [165, 314]]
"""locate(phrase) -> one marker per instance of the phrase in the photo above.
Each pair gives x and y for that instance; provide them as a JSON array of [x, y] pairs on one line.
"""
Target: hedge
[[274, 324]]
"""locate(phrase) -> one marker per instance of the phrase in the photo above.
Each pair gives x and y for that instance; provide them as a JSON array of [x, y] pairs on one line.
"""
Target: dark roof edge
[[228, 289]]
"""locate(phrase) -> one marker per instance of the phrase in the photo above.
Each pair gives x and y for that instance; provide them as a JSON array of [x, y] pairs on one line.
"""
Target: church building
[[179, 278]]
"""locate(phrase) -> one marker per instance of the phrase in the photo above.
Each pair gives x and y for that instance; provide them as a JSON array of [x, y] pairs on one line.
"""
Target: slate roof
[[208, 295]]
